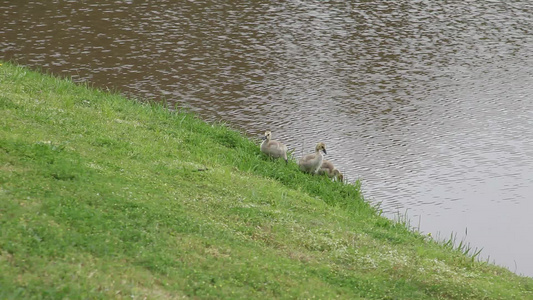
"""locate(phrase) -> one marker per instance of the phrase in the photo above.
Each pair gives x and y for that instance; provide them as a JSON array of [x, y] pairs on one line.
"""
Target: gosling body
[[311, 163], [273, 148]]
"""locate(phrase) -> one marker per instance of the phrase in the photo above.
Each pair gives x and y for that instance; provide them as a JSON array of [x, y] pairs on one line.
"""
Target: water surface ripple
[[428, 102]]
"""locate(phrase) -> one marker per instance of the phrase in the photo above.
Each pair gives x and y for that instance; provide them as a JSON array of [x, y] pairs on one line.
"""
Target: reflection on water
[[429, 102]]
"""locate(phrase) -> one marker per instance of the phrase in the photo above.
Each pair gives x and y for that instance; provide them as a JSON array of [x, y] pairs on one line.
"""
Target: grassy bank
[[103, 197]]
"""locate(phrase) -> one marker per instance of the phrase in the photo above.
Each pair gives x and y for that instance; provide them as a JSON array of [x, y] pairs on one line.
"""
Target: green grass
[[101, 197]]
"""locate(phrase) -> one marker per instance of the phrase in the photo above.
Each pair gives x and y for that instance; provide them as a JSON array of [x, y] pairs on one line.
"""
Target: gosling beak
[[324, 150], [264, 137]]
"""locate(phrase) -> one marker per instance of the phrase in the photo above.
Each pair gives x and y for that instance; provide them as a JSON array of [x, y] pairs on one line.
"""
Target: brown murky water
[[428, 102]]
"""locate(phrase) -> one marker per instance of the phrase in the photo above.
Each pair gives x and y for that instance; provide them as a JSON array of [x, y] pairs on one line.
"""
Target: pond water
[[429, 103]]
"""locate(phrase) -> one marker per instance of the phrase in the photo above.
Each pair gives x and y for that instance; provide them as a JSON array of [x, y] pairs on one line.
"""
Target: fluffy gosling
[[311, 163], [273, 148], [329, 169]]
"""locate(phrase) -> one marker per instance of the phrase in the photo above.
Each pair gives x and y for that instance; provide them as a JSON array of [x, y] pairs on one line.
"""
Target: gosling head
[[339, 175], [267, 135], [321, 146]]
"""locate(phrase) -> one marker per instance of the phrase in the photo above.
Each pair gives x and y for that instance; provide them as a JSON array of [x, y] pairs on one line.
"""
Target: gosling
[[311, 162], [329, 169], [273, 148]]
